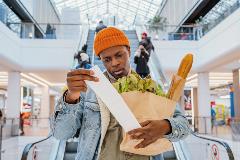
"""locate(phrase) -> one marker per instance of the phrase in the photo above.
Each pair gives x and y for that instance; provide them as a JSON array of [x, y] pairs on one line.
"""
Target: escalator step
[[170, 155], [71, 147], [69, 156]]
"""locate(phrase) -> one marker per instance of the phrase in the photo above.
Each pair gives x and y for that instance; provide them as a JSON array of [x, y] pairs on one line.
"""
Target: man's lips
[[118, 72]]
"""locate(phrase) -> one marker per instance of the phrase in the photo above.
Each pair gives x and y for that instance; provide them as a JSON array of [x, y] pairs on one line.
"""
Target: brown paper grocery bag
[[147, 106]]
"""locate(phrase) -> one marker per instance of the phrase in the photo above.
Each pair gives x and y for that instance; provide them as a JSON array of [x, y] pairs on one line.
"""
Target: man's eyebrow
[[114, 54], [118, 52], [106, 57]]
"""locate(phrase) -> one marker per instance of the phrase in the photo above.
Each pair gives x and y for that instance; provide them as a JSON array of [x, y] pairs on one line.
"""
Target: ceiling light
[[225, 97], [28, 83], [192, 77], [41, 79], [34, 80], [45, 81], [59, 84]]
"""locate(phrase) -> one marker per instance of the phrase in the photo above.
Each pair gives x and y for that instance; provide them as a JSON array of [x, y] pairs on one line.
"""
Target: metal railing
[[37, 30], [50, 30], [74, 31], [11, 126], [205, 25], [7, 16], [171, 32], [227, 128]]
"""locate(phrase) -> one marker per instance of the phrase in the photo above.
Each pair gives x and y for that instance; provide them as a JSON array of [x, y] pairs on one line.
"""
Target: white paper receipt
[[113, 100]]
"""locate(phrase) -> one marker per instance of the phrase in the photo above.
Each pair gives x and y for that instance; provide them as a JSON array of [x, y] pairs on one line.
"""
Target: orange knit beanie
[[109, 37]]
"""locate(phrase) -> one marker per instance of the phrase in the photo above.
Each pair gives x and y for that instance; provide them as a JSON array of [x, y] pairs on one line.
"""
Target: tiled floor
[[12, 147]]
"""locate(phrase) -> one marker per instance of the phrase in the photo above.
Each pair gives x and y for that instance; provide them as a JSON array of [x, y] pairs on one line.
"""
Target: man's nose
[[115, 62]]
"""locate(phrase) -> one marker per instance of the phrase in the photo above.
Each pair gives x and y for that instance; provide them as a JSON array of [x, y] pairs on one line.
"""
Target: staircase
[[132, 36]]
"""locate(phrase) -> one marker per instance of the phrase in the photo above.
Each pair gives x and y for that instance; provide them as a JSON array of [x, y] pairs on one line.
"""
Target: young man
[[100, 26], [100, 134], [141, 59], [83, 58], [146, 42]]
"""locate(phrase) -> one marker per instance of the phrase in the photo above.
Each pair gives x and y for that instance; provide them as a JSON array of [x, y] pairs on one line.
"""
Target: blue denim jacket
[[68, 118]]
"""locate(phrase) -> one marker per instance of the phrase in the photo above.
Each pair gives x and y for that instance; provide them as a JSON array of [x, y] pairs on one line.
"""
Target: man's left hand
[[151, 131]]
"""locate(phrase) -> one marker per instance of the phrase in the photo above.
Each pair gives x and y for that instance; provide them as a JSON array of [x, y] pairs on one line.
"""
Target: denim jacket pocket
[[91, 118], [92, 105]]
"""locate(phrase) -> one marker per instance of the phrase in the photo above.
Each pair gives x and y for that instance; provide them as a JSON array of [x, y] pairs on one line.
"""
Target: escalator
[[194, 147]]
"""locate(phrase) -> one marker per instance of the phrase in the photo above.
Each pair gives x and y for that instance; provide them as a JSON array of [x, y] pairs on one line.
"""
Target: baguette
[[185, 66], [183, 70]]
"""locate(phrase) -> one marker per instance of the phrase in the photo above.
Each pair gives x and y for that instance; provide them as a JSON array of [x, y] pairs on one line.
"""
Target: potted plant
[[157, 26], [157, 23]]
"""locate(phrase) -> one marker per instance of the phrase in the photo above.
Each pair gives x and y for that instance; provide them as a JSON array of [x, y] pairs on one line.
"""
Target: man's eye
[[106, 60], [119, 55]]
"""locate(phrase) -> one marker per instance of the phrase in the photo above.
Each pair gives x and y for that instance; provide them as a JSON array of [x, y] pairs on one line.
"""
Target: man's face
[[116, 60], [144, 36]]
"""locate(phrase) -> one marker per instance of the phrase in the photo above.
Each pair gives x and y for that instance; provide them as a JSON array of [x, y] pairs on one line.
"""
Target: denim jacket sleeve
[[180, 126], [66, 119]]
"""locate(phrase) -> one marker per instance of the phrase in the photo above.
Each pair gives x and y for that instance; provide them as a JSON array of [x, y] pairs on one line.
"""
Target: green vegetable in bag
[[134, 82]]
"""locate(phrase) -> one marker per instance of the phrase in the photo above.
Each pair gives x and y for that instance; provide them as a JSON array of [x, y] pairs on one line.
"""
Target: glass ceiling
[[123, 11]]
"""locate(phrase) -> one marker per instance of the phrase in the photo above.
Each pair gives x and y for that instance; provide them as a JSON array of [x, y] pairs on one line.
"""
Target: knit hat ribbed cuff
[[108, 38]]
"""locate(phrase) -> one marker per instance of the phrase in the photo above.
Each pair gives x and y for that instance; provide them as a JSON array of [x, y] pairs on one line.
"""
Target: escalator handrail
[[28, 147], [224, 144]]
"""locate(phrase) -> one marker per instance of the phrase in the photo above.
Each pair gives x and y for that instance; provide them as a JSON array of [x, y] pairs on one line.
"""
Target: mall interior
[[39, 41]]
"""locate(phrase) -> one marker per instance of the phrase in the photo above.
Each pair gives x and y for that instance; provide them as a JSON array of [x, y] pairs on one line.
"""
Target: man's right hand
[[76, 83]]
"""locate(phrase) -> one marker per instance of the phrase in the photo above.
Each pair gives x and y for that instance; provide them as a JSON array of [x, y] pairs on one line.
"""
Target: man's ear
[[99, 58], [129, 51]]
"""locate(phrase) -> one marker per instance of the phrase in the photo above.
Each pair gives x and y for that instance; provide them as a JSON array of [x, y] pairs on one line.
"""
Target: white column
[[45, 107], [195, 114], [181, 102], [236, 90], [204, 109], [52, 104], [45, 103], [13, 103]]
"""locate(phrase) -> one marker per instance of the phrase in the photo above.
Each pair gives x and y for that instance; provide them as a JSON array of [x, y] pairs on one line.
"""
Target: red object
[[27, 123], [229, 121], [144, 33], [213, 103], [215, 152], [25, 115]]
